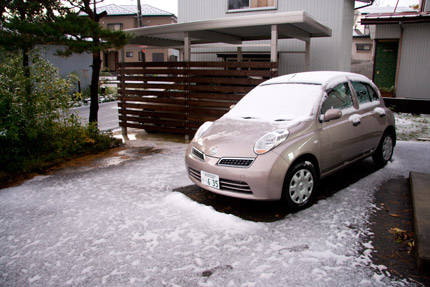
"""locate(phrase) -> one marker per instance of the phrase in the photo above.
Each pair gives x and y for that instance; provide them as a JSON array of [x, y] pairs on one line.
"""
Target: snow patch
[[208, 216], [380, 111], [355, 119]]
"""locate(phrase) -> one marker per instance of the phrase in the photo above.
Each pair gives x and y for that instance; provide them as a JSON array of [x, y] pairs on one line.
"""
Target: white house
[[327, 53]]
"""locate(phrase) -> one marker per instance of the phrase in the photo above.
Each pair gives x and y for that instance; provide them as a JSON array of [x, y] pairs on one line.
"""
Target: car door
[[340, 139], [372, 121]]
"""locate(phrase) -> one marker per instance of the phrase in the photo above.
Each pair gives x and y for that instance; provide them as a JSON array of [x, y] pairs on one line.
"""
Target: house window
[[157, 57], [241, 5], [364, 47], [129, 54], [115, 27]]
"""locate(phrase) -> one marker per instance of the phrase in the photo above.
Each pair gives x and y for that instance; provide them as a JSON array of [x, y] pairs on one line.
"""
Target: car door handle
[[356, 123]]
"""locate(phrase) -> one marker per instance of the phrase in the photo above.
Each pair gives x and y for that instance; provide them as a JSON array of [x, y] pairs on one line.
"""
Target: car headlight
[[270, 140], [202, 129]]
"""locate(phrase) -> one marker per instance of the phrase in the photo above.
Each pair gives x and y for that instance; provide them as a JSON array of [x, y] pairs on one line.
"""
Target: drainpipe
[[422, 5], [399, 56]]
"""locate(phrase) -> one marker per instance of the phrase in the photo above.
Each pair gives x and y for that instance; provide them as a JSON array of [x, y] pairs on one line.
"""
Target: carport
[[177, 97], [235, 31]]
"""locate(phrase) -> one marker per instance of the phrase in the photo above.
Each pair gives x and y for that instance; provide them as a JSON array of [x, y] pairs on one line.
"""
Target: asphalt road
[[107, 115]]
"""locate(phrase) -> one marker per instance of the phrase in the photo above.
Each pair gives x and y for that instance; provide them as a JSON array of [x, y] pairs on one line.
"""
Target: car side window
[[362, 92], [338, 98], [373, 94]]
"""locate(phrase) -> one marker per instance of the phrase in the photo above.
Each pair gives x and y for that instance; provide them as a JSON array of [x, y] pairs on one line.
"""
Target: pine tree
[[81, 32], [24, 24]]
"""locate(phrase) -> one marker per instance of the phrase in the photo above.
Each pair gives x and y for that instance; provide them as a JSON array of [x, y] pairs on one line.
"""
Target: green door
[[386, 65]]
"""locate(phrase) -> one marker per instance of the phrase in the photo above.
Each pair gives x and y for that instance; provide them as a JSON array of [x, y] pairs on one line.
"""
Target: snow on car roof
[[324, 78]]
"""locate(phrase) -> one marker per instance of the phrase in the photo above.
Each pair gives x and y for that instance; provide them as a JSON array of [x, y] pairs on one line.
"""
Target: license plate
[[209, 179]]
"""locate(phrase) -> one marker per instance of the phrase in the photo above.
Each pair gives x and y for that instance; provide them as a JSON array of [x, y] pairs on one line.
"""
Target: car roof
[[324, 78]]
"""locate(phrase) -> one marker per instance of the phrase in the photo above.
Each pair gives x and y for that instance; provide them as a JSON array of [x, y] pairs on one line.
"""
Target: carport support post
[[308, 55], [187, 47], [274, 44], [239, 54]]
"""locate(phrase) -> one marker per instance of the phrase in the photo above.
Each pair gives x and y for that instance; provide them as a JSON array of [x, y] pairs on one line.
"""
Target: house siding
[[386, 32], [333, 53], [414, 62]]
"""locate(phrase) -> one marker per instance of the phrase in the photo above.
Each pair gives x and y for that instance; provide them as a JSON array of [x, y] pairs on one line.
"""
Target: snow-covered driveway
[[123, 225]]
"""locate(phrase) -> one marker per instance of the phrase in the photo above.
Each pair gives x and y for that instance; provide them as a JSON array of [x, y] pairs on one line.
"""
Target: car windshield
[[278, 102]]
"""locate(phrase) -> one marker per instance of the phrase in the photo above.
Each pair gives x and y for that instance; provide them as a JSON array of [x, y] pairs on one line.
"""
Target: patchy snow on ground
[[122, 225], [412, 127]]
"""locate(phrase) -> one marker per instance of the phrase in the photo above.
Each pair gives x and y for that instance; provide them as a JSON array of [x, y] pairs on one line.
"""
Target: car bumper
[[263, 180]]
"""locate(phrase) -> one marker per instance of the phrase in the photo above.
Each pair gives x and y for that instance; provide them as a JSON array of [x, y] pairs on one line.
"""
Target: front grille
[[225, 184], [236, 162], [200, 155], [235, 186], [195, 174]]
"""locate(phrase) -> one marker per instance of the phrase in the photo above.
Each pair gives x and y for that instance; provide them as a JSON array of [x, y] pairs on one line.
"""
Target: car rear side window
[[338, 98], [373, 95], [362, 92]]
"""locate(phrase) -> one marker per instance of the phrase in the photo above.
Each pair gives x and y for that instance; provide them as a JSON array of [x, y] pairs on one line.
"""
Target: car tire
[[300, 186], [384, 151]]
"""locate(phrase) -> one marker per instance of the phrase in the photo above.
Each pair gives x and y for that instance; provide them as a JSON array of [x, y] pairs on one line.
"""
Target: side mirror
[[331, 114]]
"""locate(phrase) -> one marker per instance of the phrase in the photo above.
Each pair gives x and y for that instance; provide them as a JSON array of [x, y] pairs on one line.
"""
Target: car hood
[[236, 137]]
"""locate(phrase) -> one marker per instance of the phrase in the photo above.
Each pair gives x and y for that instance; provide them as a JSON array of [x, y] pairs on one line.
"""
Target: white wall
[[387, 31], [76, 63], [415, 62]]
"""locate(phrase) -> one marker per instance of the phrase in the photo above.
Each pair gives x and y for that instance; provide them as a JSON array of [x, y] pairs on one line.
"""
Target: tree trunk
[[26, 66], [94, 88]]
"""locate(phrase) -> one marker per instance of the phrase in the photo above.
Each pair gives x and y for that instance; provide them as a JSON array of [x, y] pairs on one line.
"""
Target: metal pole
[[139, 14]]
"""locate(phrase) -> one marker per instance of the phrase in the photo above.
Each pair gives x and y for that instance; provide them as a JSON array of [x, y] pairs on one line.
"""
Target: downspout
[[399, 56], [422, 5], [367, 5]]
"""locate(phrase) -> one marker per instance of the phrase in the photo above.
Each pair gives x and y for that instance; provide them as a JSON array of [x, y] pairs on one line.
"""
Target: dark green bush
[[36, 128]]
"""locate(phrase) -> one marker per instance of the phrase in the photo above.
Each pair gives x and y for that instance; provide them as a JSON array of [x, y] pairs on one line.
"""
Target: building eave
[[396, 18]]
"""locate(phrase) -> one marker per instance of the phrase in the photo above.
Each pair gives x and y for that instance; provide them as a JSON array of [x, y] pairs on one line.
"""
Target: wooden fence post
[[122, 103]]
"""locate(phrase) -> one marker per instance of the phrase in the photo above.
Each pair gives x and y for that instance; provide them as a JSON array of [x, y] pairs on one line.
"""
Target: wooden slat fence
[[177, 97]]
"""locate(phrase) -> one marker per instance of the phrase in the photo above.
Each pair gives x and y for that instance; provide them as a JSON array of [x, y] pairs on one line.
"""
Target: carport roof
[[233, 30]]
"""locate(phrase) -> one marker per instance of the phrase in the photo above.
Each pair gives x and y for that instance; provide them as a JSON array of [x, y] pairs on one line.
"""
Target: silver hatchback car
[[288, 133]]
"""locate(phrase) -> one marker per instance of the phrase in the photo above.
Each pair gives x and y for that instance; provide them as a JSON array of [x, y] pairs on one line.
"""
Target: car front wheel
[[384, 151], [300, 186]]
